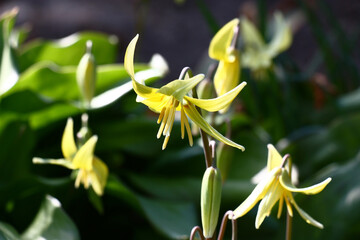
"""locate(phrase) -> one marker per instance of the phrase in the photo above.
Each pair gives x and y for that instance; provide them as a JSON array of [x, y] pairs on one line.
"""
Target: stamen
[[161, 115], [169, 121], [281, 203], [166, 140], [86, 180], [182, 122], [78, 178], [187, 126], [164, 120], [288, 206]]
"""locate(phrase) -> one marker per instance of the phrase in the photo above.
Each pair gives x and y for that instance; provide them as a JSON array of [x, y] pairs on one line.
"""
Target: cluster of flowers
[[177, 96]]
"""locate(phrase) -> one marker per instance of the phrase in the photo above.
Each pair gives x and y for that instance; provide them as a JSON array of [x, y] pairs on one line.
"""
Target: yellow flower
[[173, 97], [91, 170], [227, 75], [277, 186], [257, 54]]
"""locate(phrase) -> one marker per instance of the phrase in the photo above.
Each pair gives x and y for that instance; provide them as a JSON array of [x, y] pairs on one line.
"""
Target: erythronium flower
[[172, 97], [257, 54], [222, 48], [277, 186], [91, 170]]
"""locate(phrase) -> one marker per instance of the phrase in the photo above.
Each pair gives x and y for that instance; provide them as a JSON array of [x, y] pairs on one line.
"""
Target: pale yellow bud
[[86, 75]]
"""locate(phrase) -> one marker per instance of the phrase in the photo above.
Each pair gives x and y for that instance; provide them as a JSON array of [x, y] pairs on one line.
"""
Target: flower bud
[[204, 89], [210, 200], [86, 74]]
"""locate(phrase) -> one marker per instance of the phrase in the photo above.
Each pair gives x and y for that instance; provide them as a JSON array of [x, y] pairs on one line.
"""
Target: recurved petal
[[68, 145], [256, 195], [285, 181], [304, 215], [62, 162], [251, 35], [227, 76], [267, 203], [222, 40], [84, 157], [99, 176], [274, 158], [219, 103], [140, 89], [194, 115], [282, 38], [179, 88]]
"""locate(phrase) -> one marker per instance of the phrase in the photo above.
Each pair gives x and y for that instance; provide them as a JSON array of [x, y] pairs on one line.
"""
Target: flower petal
[[62, 162], [287, 184], [304, 215], [267, 203], [84, 157], [274, 158], [251, 36], [179, 88], [222, 40], [140, 89], [227, 75], [156, 102], [256, 195], [282, 37], [218, 103], [68, 145], [99, 176], [194, 115]]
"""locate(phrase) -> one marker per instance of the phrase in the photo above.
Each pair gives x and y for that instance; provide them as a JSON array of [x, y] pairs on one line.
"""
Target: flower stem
[[204, 136], [193, 232], [223, 226], [288, 217], [288, 226]]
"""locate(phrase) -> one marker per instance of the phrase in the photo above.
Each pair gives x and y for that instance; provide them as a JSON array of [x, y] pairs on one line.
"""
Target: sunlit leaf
[[69, 50], [51, 222]]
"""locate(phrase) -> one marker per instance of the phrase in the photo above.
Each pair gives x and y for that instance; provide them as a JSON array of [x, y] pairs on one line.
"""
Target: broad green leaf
[[8, 71], [14, 136], [174, 219], [59, 83], [7, 232], [180, 189], [69, 50], [51, 222]]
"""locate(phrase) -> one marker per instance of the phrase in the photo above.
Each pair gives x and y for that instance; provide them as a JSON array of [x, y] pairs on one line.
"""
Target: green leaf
[[8, 71], [7, 232], [69, 50], [15, 135], [59, 83], [187, 189], [174, 219], [51, 222]]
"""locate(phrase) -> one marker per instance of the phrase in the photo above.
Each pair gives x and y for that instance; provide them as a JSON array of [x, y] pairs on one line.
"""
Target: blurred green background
[[306, 105]]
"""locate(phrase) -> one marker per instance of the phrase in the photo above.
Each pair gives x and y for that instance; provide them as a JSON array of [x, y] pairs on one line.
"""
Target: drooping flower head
[[257, 54], [277, 186], [174, 97], [222, 48], [91, 170]]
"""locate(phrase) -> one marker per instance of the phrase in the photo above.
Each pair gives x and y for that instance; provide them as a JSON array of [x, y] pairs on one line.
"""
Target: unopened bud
[[204, 89], [86, 74], [210, 200]]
